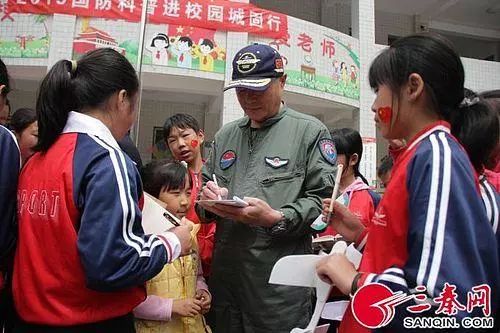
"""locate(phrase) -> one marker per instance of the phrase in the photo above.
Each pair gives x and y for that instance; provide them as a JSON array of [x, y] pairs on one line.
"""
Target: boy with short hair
[[185, 138]]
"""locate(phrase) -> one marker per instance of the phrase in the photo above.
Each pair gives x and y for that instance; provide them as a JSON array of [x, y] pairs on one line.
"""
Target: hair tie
[[468, 102], [74, 65]]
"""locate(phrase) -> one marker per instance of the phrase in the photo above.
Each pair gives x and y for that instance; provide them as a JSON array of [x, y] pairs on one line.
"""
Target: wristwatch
[[280, 226]]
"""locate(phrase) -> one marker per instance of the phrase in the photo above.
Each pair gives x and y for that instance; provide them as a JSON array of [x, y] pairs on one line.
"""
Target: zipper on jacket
[[282, 177]]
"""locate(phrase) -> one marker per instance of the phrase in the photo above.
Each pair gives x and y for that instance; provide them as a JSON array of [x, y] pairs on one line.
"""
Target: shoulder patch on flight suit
[[227, 159], [328, 151], [276, 162]]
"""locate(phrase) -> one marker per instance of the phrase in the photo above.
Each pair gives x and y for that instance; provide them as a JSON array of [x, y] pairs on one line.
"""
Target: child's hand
[[183, 233], [336, 269], [186, 221], [188, 307], [343, 220], [205, 298]]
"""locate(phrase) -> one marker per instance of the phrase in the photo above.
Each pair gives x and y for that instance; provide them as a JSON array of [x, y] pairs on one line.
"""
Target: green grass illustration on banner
[[324, 84], [29, 42]]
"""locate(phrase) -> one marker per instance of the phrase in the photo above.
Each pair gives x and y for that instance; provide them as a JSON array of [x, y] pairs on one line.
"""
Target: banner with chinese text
[[207, 14], [318, 58]]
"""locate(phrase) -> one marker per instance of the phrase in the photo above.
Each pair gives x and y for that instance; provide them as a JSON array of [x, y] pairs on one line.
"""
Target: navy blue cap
[[254, 67]]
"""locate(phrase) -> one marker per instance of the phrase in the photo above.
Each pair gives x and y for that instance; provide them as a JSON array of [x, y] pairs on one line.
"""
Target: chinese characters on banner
[[318, 58], [208, 14]]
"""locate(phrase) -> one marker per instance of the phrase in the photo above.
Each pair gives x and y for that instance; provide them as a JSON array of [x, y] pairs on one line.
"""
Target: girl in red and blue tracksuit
[[356, 193], [430, 229], [359, 199], [82, 257]]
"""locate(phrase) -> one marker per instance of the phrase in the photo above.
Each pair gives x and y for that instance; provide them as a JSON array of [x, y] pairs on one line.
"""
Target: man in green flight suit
[[282, 163]]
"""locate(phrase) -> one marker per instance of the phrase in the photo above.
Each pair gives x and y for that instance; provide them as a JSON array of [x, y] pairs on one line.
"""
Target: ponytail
[[80, 86], [55, 100], [476, 125]]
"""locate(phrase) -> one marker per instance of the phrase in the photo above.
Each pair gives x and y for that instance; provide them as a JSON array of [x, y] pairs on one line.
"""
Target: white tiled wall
[[481, 75], [61, 41], [363, 21], [231, 108], [24, 25]]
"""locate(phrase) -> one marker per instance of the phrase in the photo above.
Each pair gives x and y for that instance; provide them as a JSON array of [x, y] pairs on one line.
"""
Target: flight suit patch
[[276, 162], [227, 159], [328, 151]]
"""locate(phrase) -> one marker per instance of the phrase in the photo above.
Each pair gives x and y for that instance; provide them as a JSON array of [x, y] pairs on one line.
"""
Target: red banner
[[208, 14]]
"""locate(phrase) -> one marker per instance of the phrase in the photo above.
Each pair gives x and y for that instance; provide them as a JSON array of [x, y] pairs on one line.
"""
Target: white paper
[[301, 271], [153, 220], [353, 255], [335, 310], [322, 328]]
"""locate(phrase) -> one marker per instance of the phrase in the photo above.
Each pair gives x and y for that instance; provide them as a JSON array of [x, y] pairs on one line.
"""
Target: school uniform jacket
[[82, 255], [9, 170], [430, 227]]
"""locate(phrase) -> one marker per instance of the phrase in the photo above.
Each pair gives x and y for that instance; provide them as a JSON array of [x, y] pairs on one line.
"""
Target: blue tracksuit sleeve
[[9, 172], [449, 237], [114, 251]]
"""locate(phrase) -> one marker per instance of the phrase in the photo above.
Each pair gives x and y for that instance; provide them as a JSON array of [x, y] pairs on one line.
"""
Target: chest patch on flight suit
[[227, 159], [328, 151], [276, 162]]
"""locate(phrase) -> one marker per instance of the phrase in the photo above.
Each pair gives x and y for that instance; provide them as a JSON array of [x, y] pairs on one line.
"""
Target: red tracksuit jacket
[[82, 255]]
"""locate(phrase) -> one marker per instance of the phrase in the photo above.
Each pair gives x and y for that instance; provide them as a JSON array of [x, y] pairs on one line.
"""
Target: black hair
[[492, 99], [480, 136], [22, 119], [207, 42], [96, 76], [348, 142], [165, 174], [186, 39], [4, 78], [435, 59], [161, 36], [180, 120], [386, 164]]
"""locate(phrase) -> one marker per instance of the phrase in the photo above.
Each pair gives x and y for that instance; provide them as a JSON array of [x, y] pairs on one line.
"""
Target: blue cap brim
[[258, 84]]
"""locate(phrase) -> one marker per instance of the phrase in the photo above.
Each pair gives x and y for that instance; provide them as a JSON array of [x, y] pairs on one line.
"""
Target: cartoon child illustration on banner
[[183, 51], [206, 54], [336, 71], [354, 76], [343, 72], [158, 47]]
